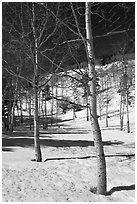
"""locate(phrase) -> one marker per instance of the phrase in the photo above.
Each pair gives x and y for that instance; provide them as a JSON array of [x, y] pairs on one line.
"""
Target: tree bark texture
[[101, 163], [37, 148]]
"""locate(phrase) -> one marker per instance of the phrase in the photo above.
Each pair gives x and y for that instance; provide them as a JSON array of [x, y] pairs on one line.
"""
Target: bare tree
[[38, 155], [29, 32], [101, 163]]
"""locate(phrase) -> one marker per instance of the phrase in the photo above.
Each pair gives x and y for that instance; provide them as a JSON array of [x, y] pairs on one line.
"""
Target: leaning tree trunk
[[101, 163], [38, 155]]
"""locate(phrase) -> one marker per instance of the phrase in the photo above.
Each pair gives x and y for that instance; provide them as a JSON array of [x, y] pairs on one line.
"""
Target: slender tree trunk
[[107, 100], [131, 76], [52, 101], [21, 114], [52, 108], [39, 102], [106, 114], [101, 163], [46, 118], [56, 105], [37, 148], [12, 118], [52, 105], [29, 103], [43, 114], [74, 114], [123, 109], [8, 116], [121, 122], [87, 107], [128, 128]]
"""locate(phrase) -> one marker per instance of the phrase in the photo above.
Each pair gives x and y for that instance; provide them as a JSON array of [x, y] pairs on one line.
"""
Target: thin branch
[[62, 22], [11, 72]]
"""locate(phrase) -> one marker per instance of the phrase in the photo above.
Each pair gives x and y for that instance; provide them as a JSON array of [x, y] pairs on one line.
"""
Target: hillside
[[68, 170]]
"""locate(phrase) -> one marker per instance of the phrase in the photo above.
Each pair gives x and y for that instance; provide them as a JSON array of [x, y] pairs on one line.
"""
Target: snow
[[68, 170]]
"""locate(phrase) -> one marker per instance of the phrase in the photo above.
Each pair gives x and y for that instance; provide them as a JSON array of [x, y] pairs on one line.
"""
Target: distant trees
[[124, 93], [85, 79], [26, 25], [11, 85], [125, 83], [34, 30], [108, 98], [7, 102]]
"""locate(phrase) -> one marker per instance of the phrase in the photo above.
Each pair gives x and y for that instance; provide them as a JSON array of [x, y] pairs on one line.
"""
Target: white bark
[[36, 78], [101, 164]]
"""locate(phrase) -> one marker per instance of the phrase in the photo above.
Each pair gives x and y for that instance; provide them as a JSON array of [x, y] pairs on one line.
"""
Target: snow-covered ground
[[68, 170]]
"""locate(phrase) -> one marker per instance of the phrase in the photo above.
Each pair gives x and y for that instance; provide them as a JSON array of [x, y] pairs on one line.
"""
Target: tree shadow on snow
[[5, 149], [67, 158], [129, 156], [120, 188], [26, 142]]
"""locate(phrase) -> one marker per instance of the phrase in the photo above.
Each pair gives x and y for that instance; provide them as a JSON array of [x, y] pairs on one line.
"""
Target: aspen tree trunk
[[52, 103], [37, 148], [45, 114], [56, 105], [128, 128], [12, 118], [52, 106], [101, 163], [123, 109], [21, 114], [127, 93], [29, 112], [9, 115], [107, 101], [125, 78], [39, 102], [87, 107], [131, 76], [121, 122], [106, 114]]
